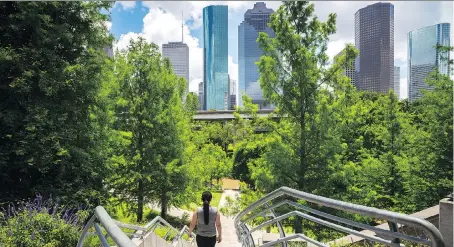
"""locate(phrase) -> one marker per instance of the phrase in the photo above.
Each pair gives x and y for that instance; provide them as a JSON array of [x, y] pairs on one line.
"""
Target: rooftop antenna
[[182, 22]]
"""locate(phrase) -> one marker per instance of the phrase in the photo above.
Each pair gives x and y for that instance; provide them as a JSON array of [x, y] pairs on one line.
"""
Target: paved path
[[229, 237]]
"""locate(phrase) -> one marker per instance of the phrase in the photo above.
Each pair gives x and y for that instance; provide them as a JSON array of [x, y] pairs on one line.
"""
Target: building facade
[[396, 86], [249, 52], [178, 54], [200, 95], [349, 71], [215, 57], [374, 38], [108, 51], [232, 90], [423, 57]]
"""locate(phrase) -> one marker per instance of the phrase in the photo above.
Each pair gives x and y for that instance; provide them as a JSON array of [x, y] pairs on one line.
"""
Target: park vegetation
[[119, 132]]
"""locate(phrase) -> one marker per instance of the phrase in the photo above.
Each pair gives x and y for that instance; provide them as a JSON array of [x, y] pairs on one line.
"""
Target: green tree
[[150, 124], [432, 173], [294, 76], [51, 65]]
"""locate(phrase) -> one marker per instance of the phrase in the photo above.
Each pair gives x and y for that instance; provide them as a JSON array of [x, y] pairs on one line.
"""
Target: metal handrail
[[112, 227], [245, 236], [118, 236], [184, 229]]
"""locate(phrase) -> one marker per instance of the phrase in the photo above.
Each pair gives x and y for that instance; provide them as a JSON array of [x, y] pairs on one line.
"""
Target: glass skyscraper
[[215, 57], [374, 38], [423, 57], [249, 52]]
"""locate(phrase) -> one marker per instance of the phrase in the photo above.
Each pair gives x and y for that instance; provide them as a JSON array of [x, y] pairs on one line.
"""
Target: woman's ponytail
[[206, 212], [206, 198]]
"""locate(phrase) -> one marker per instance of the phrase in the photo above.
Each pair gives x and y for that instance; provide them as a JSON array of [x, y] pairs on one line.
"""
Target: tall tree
[[150, 116], [294, 75], [51, 65]]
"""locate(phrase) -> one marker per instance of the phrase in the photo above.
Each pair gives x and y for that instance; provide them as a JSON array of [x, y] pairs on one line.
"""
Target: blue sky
[[160, 22]]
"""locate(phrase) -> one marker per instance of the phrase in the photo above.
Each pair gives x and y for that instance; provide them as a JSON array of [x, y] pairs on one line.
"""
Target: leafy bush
[[39, 224]]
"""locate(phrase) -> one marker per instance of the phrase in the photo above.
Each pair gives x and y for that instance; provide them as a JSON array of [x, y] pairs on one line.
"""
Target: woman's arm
[[218, 226], [193, 222]]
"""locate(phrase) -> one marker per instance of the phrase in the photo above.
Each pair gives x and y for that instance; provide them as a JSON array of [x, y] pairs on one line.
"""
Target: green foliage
[[214, 202], [150, 125], [51, 66], [38, 229]]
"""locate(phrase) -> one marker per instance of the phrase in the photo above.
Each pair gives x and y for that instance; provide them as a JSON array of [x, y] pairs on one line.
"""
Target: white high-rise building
[[178, 54], [396, 87]]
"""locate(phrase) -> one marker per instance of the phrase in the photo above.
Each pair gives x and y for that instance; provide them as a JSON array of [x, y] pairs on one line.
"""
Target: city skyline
[[423, 57], [134, 19]]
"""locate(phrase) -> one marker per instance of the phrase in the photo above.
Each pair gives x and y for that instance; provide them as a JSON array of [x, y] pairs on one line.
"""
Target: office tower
[[249, 52], [396, 86], [423, 58], [178, 54], [215, 55], [348, 71], [374, 38], [232, 90], [108, 51], [201, 96]]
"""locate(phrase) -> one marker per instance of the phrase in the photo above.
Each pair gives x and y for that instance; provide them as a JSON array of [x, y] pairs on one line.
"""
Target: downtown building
[[178, 54], [349, 71], [396, 86], [232, 94], [374, 38], [423, 57], [108, 50], [215, 57], [200, 96], [249, 52]]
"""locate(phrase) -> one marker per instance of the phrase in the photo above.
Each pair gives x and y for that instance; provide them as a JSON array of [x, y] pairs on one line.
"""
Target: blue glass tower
[[215, 58], [423, 57], [249, 52]]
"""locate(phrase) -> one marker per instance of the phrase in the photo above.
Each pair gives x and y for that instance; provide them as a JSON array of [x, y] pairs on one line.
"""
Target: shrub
[[39, 223]]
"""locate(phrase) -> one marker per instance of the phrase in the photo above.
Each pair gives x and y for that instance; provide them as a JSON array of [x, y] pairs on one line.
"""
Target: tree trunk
[[140, 201], [164, 204]]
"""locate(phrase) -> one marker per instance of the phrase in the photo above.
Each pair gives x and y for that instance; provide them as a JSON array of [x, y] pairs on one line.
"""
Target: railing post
[[85, 231], [101, 236], [393, 227], [279, 225]]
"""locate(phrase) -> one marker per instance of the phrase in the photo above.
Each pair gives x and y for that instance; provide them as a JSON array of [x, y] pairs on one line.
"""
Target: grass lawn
[[214, 202]]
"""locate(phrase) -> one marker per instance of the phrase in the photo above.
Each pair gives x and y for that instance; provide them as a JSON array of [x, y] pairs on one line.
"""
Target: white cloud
[[126, 4], [233, 69], [108, 25], [192, 10], [154, 31], [403, 88], [125, 39], [334, 47]]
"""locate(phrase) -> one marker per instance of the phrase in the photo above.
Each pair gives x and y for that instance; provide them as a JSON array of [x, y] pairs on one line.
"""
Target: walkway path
[[229, 237]]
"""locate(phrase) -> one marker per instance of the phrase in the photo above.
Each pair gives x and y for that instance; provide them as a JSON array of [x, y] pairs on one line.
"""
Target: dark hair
[[206, 199]]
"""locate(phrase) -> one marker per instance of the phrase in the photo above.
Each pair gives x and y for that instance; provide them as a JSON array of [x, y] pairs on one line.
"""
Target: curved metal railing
[[389, 237], [112, 228]]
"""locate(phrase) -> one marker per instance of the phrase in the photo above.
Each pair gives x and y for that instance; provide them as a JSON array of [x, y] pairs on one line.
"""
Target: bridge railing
[[121, 239], [109, 225], [390, 236]]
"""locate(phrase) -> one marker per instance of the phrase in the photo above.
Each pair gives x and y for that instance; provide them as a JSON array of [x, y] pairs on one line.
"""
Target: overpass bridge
[[113, 233], [227, 115]]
